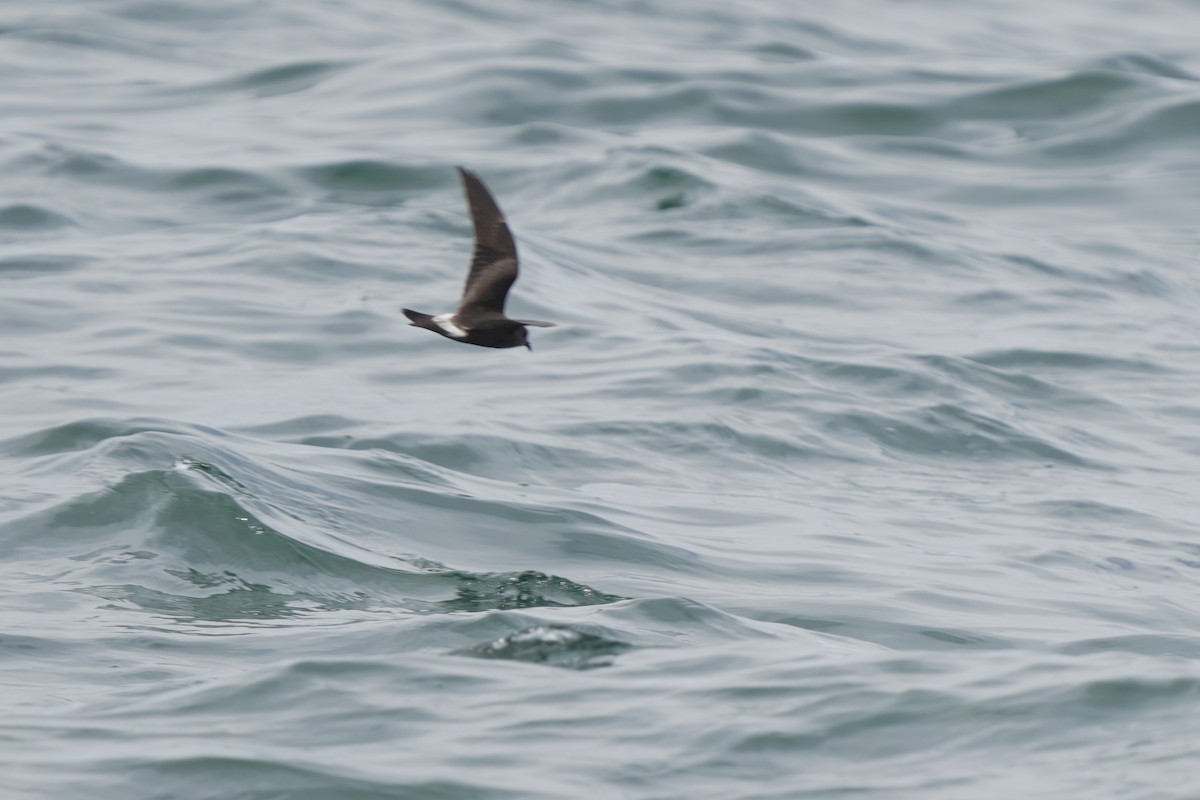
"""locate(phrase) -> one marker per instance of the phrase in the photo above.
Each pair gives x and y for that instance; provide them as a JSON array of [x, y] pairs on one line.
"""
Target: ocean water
[[863, 461]]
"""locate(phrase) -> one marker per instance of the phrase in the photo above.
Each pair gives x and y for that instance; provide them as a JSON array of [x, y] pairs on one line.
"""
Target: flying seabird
[[480, 316]]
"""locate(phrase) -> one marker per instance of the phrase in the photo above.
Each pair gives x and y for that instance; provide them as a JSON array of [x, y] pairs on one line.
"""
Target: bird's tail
[[420, 320]]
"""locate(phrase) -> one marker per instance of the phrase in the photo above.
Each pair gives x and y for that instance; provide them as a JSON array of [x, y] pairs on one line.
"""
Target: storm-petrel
[[480, 316]]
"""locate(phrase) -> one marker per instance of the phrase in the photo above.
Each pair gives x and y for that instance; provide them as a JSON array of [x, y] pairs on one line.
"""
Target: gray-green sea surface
[[863, 461]]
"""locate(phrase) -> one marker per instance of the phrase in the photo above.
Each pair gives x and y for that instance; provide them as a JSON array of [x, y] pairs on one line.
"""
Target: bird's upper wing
[[494, 264]]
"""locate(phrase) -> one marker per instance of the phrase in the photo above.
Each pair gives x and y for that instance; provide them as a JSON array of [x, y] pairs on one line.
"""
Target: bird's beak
[[529, 347]]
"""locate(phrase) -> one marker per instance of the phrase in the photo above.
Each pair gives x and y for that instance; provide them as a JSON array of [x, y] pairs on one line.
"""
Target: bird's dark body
[[480, 318], [500, 332]]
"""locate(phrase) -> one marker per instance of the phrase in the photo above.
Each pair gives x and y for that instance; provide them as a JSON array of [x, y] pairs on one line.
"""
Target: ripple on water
[[26, 218], [553, 645]]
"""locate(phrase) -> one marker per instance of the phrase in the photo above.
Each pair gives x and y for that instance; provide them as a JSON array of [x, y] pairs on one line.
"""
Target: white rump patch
[[446, 323]]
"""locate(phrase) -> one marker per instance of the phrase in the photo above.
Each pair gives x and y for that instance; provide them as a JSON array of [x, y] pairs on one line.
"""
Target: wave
[[167, 531]]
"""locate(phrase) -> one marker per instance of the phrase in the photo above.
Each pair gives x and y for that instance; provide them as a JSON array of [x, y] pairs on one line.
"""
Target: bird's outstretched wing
[[494, 264]]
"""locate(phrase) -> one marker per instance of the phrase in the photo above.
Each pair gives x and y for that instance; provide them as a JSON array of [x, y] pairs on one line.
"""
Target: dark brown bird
[[480, 316]]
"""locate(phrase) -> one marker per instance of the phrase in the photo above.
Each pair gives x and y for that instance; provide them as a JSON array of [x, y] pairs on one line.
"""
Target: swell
[[151, 522]]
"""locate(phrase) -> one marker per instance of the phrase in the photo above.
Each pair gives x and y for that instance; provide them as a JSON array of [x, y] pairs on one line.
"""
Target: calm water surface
[[863, 461]]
